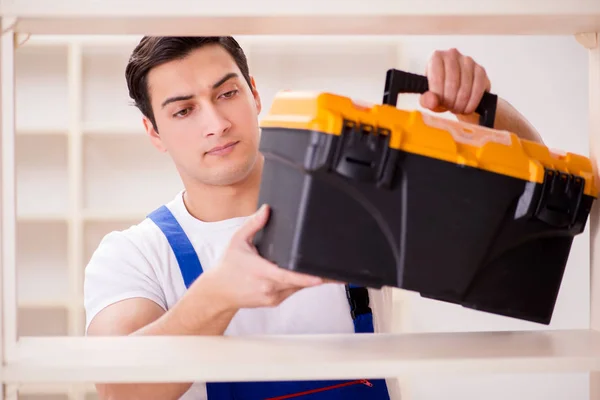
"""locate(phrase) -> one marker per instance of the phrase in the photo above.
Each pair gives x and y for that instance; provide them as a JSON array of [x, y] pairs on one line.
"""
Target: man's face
[[206, 115]]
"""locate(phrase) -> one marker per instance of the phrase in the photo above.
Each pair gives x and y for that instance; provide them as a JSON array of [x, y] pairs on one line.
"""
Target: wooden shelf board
[[44, 304], [42, 131], [188, 358], [119, 43], [110, 216], [53, 388], [41, 217], [112, 131], [306, 17]]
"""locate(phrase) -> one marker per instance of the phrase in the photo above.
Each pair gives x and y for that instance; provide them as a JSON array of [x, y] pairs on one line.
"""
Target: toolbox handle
[[397, 81]]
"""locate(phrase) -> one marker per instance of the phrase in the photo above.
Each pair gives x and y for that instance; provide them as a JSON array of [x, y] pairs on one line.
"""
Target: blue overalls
[[363, 389]]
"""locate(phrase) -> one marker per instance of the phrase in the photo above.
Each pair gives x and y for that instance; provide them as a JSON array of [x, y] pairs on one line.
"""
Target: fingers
[[430, 101], [280, 278], [456, 83], [481, 83], [275, 284], [283, 293], [463, 96], [334, 281], [287, 278], [452, 81], [275, 298], [436, 74], [252, 225]]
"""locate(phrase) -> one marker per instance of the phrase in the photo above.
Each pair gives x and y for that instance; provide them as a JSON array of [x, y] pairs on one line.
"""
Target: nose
[[213, 121]]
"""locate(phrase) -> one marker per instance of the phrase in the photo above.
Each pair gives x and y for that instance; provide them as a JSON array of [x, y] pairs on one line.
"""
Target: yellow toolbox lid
[[429, 135]]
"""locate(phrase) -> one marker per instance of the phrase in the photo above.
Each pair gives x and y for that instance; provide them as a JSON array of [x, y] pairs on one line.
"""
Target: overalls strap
[[186, 255]]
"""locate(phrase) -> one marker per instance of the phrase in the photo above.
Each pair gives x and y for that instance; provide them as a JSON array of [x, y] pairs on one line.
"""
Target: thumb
[[252, 225], [431, 101]]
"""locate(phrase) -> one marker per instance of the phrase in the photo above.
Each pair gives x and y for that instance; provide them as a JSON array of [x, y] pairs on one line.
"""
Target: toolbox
[[375, 196]]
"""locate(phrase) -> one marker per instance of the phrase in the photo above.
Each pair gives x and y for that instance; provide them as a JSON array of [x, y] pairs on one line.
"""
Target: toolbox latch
[[560, 198], [363, 153]]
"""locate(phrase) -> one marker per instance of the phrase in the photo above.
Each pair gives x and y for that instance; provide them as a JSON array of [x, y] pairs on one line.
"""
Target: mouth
[[219, 150]]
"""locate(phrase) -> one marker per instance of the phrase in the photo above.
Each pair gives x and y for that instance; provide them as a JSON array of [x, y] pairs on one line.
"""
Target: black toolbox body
[[377, 196]]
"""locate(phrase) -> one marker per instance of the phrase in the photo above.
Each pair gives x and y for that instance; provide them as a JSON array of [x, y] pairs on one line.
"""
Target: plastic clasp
[[358, 297], [560, 199], [363, 154]]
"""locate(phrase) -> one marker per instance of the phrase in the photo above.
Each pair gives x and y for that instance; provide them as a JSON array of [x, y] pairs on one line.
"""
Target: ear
[[256, 95], [154, 136]]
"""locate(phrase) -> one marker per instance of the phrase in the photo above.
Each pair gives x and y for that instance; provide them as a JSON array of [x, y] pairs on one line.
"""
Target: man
[[201, 106]]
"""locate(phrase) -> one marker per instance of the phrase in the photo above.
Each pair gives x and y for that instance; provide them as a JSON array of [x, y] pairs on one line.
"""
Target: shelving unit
[[83, 167], [96, 168]]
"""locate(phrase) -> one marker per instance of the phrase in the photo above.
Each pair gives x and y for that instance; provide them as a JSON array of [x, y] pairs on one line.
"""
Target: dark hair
[[155, 50]]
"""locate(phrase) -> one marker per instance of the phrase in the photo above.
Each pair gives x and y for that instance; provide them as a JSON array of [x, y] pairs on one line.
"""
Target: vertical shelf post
[[75, 166], [12, 392], [591, 41], [8, 202], [3, 387], [75, 211]]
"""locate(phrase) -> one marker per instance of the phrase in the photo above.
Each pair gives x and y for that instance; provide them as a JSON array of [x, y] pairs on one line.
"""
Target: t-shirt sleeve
[[118, 270]]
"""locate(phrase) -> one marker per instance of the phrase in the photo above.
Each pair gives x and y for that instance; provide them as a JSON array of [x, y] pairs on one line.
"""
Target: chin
[[230, 174]]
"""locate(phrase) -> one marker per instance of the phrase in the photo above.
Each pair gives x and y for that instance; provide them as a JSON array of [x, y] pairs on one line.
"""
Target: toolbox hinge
[[560, 198]]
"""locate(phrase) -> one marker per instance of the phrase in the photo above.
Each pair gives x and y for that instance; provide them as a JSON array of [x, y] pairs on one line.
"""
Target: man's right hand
[[243, 279]]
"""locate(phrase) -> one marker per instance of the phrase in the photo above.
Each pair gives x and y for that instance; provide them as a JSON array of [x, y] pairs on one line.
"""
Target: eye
[[182, 113], [230, 93]]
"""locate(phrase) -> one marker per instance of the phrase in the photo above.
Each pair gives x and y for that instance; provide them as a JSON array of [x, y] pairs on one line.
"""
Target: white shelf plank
[[309, 16], [116, 44], [191, 358], [113, 216], [54, 388], [241, 8], [113, 131], [41, 131], [33, 389], [41, 217]]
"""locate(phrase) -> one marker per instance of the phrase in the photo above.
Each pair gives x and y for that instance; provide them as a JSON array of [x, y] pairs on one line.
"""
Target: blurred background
[[85, 167]]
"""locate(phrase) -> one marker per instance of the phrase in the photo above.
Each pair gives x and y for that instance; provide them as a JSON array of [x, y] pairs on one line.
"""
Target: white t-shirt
[[139, 262]]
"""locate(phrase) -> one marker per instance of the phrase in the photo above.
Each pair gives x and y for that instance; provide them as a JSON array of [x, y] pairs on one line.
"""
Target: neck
[[218, 203]]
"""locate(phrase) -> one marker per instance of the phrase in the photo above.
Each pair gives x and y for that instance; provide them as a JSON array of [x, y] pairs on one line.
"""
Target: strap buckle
[[358, 297]]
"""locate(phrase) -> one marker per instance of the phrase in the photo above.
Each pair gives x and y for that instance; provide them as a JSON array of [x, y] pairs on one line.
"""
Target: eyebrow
[[224, 79], [189, 96]]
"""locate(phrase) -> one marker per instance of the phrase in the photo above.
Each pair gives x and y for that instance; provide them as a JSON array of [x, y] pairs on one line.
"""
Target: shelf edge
[[126, 359]]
